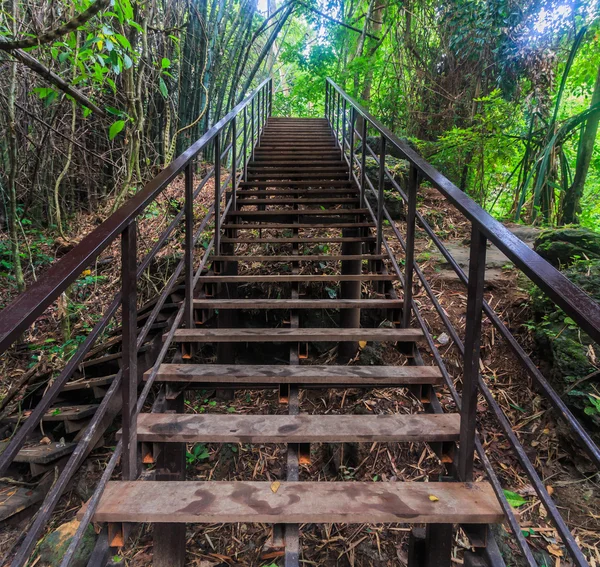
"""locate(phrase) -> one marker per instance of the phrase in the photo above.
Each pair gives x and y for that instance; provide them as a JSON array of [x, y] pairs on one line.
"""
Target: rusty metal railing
[[20, 314], [343, 113]]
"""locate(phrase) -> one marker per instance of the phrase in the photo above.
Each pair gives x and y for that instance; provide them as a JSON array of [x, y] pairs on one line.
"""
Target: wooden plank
[[307, 162], [300, 212], [44, 454], [302, 428], [299, 183], [64, 413], [299, 278], [297, 303], [298, 502], [299, 240], [289, 226], [293, 335], [299, 201], [300, 258], [89, 383], [299, 192]]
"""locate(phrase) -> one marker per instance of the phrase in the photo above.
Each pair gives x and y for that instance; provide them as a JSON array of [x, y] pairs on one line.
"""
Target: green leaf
[[514, 499], [163, 87], [113, 110], [165, 63], [115, 128]]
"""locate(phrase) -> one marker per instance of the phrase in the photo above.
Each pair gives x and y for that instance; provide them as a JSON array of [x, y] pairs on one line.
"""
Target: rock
[[562, 246], [566, 352], [443, 339], [372, 355], [54, 545], [374, 142]]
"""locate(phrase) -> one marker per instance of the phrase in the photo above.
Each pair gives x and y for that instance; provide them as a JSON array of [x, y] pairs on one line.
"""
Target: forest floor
[[566, 472]]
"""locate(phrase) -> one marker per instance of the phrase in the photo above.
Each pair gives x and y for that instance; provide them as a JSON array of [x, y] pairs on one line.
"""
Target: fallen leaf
[[550, 489], [275, 486], [433, 498], [553, 549], [45, 441], [362, 344]]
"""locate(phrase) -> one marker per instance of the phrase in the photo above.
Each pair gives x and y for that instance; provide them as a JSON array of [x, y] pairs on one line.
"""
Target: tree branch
[[54, 79], [336, 21], [65, 28]]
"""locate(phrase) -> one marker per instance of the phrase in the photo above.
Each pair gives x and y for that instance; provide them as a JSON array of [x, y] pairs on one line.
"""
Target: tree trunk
[[572, 202], [13, 220]]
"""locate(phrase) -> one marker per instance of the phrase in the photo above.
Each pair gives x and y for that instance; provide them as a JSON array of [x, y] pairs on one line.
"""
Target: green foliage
[[514, 499], [198, 453]]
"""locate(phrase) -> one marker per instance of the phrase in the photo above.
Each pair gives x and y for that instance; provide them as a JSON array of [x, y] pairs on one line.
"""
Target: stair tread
[[298, 502], [290, 226], [298, 303], [291, 240], [300, 278], [299, 258], [292, 335], [303, 375], [302, 428], [299, 212]]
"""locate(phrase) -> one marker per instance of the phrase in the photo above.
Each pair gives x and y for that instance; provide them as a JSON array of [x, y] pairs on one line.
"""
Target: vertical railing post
[[470, 389], [337, 118], [380, 195], [189, 245], [351, 140], [363, 162], [234, 163], [245, 142], [271, 87], [411, 213], [344, 129], [217, 149], [327, 99], [129, 349], [252, 130]]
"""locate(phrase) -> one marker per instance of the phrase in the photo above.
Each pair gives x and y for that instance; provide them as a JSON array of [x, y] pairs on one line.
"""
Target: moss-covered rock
[[566, 352], [393, 201], [562, 246], [55, 545]]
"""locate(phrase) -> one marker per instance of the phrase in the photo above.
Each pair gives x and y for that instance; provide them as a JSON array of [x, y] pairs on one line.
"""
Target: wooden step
[[298, 502], [313, 239], [295, 163], [316, 183], [299, 175], [281, 278], [298, 303], [242, 194], [306, 376], [265, 168], [246, 202], [285, 335], [299, 258], [307, 212], [290, 226], [303, 428]]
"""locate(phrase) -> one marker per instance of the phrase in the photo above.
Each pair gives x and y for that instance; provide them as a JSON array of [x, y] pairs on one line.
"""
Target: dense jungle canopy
[[503, 96]]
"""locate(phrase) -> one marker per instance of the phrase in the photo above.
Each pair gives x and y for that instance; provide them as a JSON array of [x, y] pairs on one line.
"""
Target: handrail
[[15, 318], [22, 312], [483, 225], [571, 299]]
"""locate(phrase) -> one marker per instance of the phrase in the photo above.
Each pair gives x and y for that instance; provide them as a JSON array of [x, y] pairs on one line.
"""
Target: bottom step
[[298, 502]]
